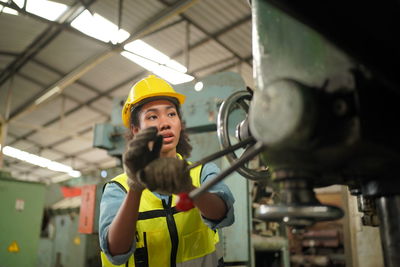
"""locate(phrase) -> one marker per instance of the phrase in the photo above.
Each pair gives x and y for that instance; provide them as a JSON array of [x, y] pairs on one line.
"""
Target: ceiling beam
[[73, 99], [41, 41], [210, 36], [224, 68], [71, 77], [131, 79]]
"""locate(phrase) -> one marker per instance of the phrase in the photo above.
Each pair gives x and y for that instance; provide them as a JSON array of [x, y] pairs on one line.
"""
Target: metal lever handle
[[223, 152], [185, 201]]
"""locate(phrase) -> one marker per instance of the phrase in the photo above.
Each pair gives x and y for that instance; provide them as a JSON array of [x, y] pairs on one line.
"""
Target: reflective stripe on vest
[[165, 236]]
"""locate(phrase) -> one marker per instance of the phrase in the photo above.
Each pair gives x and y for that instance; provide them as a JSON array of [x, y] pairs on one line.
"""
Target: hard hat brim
[[181, 98], [138, 105]]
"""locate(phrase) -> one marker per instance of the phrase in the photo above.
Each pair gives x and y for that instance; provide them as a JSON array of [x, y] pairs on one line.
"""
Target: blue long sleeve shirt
[[113, 196]]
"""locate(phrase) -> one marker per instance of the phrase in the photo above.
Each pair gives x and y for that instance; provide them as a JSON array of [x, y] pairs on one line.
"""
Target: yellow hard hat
[[151, 86]]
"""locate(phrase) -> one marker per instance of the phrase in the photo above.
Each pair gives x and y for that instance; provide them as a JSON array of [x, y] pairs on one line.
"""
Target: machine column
[[389, 209]]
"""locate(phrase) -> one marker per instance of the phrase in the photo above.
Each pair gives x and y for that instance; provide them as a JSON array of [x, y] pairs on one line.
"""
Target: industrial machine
[[323, 112], [328, 103], [63, 241], [22, 202]]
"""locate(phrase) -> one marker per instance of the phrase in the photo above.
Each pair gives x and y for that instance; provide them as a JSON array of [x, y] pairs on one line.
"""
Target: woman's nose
[[164, 123]]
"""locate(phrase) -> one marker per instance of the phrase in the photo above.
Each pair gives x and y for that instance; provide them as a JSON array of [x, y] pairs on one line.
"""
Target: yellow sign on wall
[[13, 247]]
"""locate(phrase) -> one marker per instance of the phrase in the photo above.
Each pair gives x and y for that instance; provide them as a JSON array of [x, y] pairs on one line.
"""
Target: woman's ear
[[134, 129]]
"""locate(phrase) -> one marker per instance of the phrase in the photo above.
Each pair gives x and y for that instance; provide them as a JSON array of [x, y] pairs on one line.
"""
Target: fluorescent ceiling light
[[171, 75], [99, 28], [47, 95], [46, 9], [157, 62], [7, 10], [40, 161], [141, 48]]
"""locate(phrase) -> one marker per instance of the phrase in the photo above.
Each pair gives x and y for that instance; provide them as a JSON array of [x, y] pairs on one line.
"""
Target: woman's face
[[163, 115]]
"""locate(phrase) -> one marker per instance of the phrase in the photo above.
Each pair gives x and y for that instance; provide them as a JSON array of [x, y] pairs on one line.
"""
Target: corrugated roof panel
[[111, 72], [239, 39], [208, 53], [74, 161], [168, 41], [123, 91], [9, 138], [81, 165], [80, 119], [245, 72], [18, 165], [65, 2], [135, 13], [104, 104], [20, 32], [46, 139], [218, 14], [79, 92], [5, 60], [140, 13], [21, 91], [41, 114], [50, 154], [73, 145], [231, 65], [172, 41], [112, 162], [25, 145], [69, 50], [217, 67], [96, 155], [88, 135], [3, 98], [35, 72]]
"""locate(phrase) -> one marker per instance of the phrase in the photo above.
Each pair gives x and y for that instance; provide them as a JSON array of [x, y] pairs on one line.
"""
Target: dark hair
[[184, 147]]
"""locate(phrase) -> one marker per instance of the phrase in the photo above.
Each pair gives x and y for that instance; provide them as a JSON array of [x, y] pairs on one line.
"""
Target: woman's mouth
[[168, 138]]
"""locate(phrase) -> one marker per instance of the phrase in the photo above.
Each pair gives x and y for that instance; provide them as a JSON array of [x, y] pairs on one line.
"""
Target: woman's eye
[[152, 117], [172, 114]]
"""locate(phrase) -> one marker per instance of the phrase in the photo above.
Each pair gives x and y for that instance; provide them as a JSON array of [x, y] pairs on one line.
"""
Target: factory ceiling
[[58, 76]]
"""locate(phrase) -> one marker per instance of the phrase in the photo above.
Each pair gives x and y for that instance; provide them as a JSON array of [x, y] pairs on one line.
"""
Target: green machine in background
[[110, 135], [39, 227], [62, 244], [21, 206]]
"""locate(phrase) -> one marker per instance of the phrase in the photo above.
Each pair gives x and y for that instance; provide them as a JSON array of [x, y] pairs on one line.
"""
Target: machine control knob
[[283, 113]]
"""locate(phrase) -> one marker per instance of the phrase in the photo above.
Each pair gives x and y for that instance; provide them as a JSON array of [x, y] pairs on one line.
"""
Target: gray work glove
[[138, 154], [167, 176]]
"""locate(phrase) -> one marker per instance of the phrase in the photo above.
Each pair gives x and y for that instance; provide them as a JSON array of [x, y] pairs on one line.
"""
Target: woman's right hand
[[138, 155]]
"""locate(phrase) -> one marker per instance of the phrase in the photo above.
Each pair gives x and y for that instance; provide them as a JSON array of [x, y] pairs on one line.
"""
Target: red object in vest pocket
[[184, 202]]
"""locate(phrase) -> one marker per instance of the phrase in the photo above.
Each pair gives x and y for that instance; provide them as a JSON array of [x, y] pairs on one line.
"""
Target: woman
[[139, 225]]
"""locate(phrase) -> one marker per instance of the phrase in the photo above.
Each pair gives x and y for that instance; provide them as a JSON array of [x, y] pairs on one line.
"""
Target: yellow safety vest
[[164, 235]]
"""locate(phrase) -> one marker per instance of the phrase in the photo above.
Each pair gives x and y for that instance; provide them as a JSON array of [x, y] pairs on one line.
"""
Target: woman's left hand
[[167, 176]]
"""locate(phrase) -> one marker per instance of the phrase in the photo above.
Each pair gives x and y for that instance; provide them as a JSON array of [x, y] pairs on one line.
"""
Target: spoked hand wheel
[[239, 101]]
